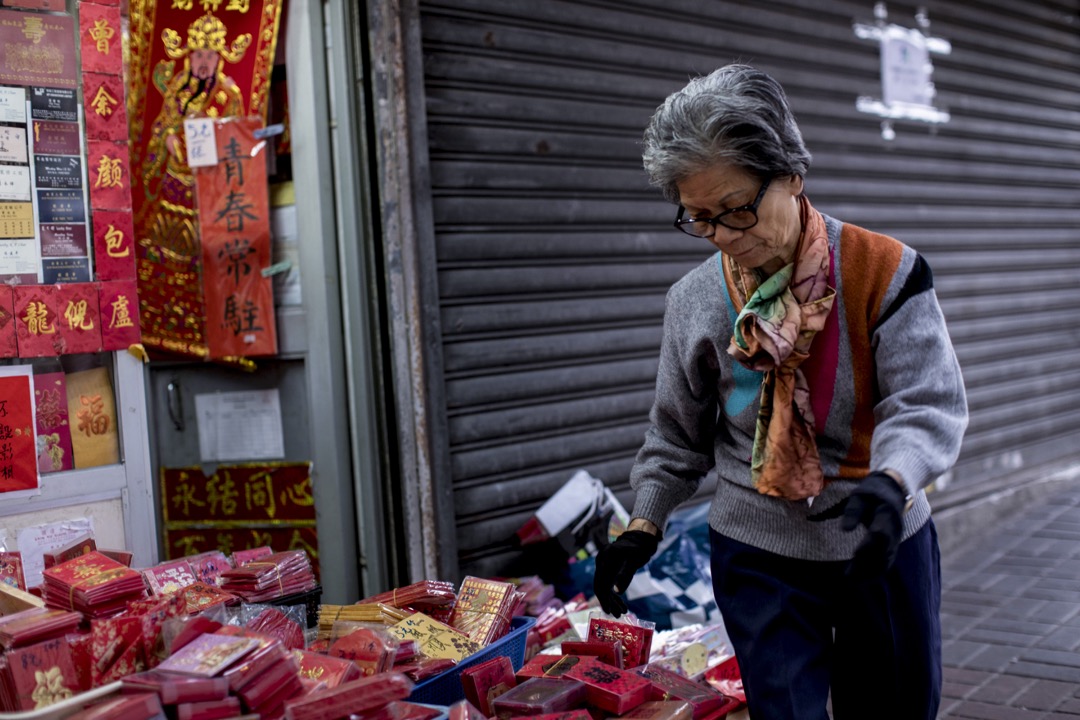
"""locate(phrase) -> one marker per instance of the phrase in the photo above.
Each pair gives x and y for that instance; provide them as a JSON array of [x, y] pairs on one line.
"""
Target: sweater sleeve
[[921, 413], [678, 447]]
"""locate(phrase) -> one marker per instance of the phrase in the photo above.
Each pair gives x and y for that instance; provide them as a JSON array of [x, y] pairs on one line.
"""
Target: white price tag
[[201, 142]]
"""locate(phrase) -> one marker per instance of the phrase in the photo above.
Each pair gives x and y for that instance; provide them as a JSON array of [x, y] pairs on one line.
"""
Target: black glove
[[616, 565], [877, 503]]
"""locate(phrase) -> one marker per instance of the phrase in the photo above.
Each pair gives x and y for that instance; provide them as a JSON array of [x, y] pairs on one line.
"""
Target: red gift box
[[668, 685], [610, 688], [540, 695], [609, 651], [79, 321], [486, 681], [636, 640], [36, 320]]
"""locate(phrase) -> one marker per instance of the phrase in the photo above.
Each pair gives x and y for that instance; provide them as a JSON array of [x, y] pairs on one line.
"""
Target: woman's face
[[772, 242]]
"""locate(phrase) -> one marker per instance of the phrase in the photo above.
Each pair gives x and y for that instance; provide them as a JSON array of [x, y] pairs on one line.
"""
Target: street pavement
[[1011, 616]]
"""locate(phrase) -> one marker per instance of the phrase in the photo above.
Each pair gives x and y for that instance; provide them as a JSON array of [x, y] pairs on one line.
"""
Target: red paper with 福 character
[[234, 222]]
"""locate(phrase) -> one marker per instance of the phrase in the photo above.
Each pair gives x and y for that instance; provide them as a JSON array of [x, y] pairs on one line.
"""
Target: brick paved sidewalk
[[1011, 617]]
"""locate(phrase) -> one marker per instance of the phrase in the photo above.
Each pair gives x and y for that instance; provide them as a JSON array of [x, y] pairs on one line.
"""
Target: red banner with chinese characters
[[204, 58], [234, 223], [18, 441], [239, 506]]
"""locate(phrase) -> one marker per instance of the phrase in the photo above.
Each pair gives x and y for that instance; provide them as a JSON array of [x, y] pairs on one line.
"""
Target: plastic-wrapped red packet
[[668, 685], [277, 624], [331, 670], [609, 688], [356, 697], [540, 695], [421, 596], [726, 678], [370, 646], [636, 637]]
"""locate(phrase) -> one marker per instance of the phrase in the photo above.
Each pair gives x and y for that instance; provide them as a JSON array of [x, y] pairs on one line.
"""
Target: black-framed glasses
[[743, 217]]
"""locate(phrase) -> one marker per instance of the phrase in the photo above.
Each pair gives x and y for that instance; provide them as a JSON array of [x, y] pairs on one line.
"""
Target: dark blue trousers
[[801, 628]]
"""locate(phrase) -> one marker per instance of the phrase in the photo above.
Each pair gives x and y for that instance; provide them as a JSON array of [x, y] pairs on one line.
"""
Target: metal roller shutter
[[553, 255]]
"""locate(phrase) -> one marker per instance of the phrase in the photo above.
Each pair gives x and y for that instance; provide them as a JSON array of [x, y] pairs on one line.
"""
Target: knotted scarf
[[778, 318]]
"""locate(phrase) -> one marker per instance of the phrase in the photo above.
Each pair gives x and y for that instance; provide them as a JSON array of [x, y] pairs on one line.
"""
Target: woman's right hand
[[616, 565]]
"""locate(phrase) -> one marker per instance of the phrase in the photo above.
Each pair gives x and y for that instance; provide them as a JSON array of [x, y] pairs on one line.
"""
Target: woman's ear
[[795, 185]]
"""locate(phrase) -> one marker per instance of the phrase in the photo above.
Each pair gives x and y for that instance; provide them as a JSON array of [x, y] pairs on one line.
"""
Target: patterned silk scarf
[[778, 318]]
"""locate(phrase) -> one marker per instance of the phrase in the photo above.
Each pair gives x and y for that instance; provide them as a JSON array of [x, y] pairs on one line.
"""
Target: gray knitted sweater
[[885, 388]]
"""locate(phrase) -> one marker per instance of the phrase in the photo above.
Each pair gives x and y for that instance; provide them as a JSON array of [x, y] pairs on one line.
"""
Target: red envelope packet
[[78, 547], [609, 688], [34, 625], [119, 304], [254, 666], [330, 670], [356, 697], [169, 577], [9, 345], [173, 688], [114, 245], [551, 666], [208, 710], [116, 646], [263, 689], [124, 557], [141, 706], [660, 710], [100, 39], [538, 696], [609, 651], [276, 624], [727, 679], [11, 570], [465, 710], [486, 681], [80, 326], [82, 657], [36, 320], [53, 426], [104, 110], [209, 565], [208, 655], [668, 685], [636, 640], [199, 597], [42, 674], [245, 556]]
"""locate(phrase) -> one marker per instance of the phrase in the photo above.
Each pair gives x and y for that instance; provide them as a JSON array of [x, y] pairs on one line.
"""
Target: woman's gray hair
[[736, 114]]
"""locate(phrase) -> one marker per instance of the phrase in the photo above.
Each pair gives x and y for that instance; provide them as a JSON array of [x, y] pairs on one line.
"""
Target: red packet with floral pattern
[[609, 688], [92, 584], [42, 674], [117, 648], [53, 429], [82, 657]]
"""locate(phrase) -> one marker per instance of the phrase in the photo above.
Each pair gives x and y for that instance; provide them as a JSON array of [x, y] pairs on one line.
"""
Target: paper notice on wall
[[240, 425], [34, 542]]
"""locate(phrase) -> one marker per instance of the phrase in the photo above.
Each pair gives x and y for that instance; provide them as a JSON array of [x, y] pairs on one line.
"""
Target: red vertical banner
[[77, 318], [9, 345], [18, 456], [234, 223], [36, 321], [119, 307], [114, 245]]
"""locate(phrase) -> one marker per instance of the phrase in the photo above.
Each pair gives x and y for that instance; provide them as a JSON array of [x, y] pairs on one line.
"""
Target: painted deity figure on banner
[[200, 88]]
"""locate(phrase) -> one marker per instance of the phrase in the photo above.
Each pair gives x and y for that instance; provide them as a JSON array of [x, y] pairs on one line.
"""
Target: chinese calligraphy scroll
[[234, 220]]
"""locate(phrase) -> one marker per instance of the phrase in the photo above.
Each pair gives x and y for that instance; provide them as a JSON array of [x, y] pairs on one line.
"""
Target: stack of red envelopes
[[34, 625], [93, 584], [358, 697], [266, 679], [274, 576], [423, 595], [37, 676]]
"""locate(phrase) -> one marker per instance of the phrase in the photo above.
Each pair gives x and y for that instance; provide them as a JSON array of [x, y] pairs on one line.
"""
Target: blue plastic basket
[[445, 688]]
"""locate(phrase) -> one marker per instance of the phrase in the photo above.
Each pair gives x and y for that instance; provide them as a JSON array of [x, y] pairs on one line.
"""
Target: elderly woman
[[809, 365]]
